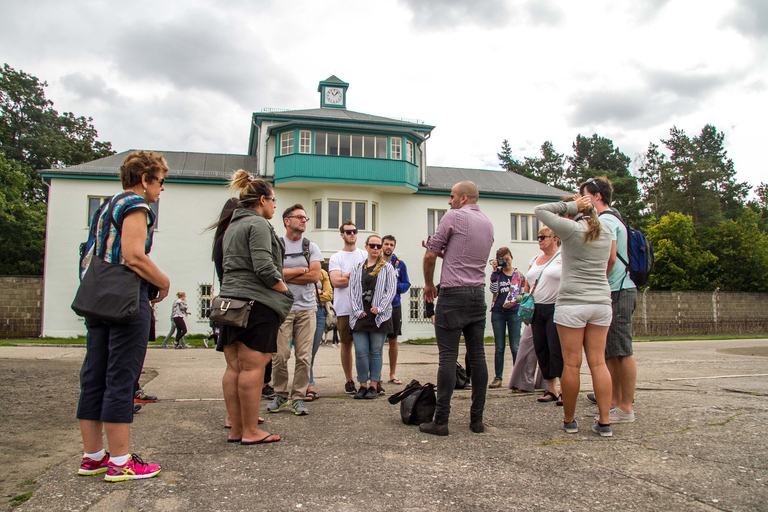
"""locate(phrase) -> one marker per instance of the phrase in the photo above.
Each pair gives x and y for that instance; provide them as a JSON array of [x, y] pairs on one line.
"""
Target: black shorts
[[397, 323], [260, 334]]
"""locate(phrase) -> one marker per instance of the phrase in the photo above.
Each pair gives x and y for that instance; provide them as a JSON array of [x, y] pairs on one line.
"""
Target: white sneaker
[[619, 416]]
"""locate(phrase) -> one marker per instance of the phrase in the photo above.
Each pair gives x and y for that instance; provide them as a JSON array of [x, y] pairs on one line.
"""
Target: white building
[[338, 163]]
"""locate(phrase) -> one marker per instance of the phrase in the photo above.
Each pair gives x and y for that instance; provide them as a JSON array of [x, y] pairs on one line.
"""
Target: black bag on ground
[[462, 379], [417, 403]]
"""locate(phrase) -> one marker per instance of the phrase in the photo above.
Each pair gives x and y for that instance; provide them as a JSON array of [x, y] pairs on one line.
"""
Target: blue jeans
[[368, 347], [503, 323], [460, 310], [319, 331]]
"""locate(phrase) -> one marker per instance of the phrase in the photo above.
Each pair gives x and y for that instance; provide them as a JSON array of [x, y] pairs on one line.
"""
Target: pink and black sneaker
[[93, 467], [133, 469]]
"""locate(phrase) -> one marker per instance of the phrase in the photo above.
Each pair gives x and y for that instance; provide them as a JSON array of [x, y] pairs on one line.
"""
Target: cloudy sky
[[187, 75]]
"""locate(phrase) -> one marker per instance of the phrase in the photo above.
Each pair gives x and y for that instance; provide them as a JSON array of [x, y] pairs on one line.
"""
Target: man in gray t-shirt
[[301, 270]]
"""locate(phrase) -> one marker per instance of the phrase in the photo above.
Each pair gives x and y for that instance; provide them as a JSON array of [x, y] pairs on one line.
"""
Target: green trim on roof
[[490, 196]]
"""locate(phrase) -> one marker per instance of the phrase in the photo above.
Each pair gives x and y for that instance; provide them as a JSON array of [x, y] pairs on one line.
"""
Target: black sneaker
[[136, 408], [371, 393], [349, 387], [360, 393], [591, 398], [379, 389], [268, 391]]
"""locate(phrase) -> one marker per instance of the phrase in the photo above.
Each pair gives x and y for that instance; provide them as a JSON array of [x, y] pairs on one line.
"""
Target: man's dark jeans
[[460, 310]]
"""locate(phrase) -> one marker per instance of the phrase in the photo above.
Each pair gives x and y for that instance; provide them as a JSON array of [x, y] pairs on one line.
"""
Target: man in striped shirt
[[463, 239]]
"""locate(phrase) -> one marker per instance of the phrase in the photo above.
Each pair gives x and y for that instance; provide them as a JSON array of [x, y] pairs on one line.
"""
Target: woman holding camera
[[506, 284]]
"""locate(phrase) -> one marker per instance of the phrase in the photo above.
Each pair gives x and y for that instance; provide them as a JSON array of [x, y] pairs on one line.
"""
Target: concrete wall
[[21, 306]]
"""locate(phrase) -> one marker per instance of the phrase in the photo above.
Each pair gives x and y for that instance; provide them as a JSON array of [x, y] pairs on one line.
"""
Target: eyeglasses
[[300, 217], [374, 246], [543, 237], [350, 231], [269, 198]]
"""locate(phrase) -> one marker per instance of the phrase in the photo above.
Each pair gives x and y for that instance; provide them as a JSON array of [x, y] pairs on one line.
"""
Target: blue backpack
[[639, 250]]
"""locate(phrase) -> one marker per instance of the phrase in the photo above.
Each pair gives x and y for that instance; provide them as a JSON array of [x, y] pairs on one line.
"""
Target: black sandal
[[559, 400], [547, 397]]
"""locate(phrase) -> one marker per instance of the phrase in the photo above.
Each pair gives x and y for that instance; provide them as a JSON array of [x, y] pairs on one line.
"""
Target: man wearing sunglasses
[[339, 269], [463, 239], [301, 270]]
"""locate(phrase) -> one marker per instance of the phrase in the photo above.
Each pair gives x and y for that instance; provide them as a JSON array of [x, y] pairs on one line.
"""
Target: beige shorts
[[578, 316]]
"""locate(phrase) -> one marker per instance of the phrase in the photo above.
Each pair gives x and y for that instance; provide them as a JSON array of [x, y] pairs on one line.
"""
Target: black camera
[[501, 262]]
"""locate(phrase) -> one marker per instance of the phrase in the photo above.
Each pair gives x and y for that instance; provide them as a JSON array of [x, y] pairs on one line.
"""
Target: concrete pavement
[[697, 444]]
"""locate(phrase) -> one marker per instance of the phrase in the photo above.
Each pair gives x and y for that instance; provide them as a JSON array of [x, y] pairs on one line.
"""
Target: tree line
[[33, 136], [705, 230]]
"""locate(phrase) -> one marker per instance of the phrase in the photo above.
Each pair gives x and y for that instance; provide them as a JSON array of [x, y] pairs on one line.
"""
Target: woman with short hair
[[114, 352], [372, 287], [507, 284]]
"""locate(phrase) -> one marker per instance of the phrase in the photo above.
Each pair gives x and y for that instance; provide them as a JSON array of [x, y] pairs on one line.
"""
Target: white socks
[[95, 456]]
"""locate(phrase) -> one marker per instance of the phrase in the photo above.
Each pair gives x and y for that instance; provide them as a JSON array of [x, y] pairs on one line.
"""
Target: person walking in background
[[463, 238], [323, 298], [340, 269], [506, 285], [583, 306], [403, 285], [170, 333], [178, 314], [253, 271], [372, 287], [114, 352], [545, 272], [618, 348]]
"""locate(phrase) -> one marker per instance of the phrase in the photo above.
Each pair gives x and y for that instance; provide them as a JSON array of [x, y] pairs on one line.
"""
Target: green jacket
[[253, 262]]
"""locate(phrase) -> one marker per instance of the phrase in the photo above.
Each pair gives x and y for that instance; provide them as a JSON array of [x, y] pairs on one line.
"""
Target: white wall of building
[[182, 247]]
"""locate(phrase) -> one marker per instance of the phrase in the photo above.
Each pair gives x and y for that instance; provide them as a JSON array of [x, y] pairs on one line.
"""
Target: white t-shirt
[[303, 294], [344, 261], [546, 290]]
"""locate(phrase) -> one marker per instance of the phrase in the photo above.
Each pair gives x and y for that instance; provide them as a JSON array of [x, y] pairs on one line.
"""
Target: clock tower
[[333, 92]]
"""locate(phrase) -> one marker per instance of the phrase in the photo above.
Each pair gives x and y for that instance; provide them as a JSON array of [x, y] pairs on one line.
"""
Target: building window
[[339, 211], [286, 143], [396, 145], [93, 204], [374, 216], [433, 219], [417, 313], [205, 300], [305, 141], [409, 151], [521, 226], [536, 226], [318, 214]]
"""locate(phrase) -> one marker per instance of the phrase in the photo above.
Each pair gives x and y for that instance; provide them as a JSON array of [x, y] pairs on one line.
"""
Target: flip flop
[[234, 440], [263, 440], [559, 400], [395, 381]]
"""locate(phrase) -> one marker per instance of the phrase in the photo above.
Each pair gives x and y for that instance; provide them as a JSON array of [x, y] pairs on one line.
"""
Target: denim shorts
[[578, 316]]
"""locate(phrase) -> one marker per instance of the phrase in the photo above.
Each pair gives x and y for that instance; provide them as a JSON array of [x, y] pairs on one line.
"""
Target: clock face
[[334, 96]]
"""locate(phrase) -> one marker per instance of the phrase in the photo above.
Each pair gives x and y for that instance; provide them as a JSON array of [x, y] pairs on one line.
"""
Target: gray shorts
[[619, 342]]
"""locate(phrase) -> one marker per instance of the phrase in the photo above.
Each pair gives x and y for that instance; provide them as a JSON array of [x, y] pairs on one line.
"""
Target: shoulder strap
[[612, 213]]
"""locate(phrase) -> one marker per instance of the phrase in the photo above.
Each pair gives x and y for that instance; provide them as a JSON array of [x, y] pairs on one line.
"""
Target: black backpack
[[639, 252], [417, 403]]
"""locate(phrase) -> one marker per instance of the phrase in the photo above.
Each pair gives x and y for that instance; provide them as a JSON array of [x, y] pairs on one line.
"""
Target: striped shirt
[[386, 287], [465, 236], [108, 240]]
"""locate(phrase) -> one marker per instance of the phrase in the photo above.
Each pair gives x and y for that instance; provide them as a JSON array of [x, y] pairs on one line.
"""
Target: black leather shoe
[[434, 429], [360, 393], [478, 427]]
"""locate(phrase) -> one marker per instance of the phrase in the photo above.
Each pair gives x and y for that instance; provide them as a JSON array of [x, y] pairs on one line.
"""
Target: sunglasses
[[160, 181], [350, 231], [374, 246], [543, 237]]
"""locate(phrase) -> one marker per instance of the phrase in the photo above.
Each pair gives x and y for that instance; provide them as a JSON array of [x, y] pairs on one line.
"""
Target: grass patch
[[27, 483], [648, 447], [723, 423], [19, 499]]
